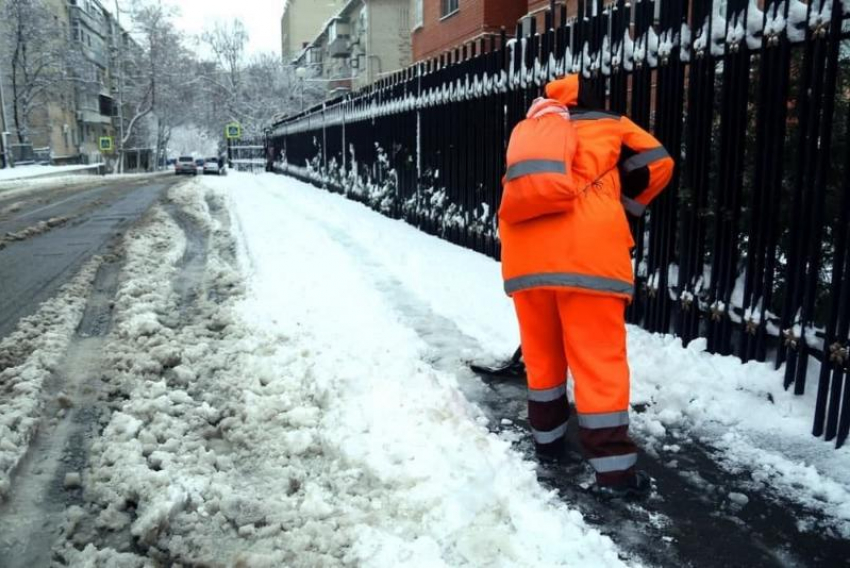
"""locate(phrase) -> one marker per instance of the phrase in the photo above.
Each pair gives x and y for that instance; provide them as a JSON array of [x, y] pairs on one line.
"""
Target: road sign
[[105, 144], [233, 131]]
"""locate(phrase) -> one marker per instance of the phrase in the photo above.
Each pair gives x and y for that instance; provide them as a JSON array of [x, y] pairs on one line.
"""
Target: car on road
[[185, 165], [214, 166]]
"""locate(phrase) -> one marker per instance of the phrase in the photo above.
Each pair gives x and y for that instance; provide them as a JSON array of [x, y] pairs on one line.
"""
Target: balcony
[[340, 47], [96, 56], [92, 117], [92, 23], [338, 38]]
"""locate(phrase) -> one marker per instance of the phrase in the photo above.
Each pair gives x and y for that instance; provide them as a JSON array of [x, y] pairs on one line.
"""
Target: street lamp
[[301, 73], [4, 135]]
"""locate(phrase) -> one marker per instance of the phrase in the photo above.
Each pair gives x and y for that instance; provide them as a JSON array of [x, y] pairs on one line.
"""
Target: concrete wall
[[388, 40], [302, 21]]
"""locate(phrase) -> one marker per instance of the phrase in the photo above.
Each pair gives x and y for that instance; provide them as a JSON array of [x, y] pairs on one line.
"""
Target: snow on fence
[[748, 245]]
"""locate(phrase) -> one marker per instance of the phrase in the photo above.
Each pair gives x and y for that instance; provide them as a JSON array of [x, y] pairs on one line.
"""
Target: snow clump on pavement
[[28, 357]]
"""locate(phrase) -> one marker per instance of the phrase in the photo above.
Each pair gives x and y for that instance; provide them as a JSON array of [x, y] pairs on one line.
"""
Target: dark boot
[[636, 487], [552, 451]]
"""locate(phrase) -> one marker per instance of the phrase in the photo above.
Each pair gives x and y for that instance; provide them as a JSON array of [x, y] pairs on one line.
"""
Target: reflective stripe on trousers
[[547, 395], [568, 280], [549, 436], [612, 464], [600, 420], [548, 412]]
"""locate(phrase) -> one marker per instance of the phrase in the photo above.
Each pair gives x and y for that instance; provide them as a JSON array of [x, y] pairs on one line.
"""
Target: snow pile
[[323, 416], [28, 357], [33, 230]]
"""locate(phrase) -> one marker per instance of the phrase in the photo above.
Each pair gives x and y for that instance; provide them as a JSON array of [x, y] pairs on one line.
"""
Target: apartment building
[[94, 32], [50, 124], [301, 21], [364, 41], [72, 116], [441, 25], [438, 26]]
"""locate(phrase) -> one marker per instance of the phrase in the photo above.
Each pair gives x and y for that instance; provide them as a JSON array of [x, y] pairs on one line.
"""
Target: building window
[[418, 18], [448, 7]]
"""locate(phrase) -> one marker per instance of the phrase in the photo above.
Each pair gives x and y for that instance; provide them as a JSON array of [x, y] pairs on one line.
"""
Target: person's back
[[593, 239], [569, 272]]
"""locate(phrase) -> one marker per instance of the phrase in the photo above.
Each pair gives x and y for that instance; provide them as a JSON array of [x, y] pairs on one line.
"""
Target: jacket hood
[[541, 107], [564, 90]]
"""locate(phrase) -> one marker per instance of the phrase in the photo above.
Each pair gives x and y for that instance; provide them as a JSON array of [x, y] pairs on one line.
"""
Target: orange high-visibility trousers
[[585, 333]]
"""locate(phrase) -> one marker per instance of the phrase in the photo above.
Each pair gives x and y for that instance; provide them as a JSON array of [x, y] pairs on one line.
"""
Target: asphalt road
[[47, 235]]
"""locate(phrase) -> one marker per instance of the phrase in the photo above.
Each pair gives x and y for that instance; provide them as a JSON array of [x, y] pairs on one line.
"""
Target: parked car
[[185, 165], [214, 166], [199, 162]]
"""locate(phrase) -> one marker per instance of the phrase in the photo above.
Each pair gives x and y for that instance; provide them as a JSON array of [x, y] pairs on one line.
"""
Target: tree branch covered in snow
[[40, 64]]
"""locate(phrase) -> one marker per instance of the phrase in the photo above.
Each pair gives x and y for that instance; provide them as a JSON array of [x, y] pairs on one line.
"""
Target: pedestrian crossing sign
[[233, 131], [105, 144]]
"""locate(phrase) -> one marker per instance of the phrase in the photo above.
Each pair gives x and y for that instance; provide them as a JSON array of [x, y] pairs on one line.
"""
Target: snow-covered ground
[[21, 188], [300, 424], [287, 376], [362, 262], [34, 171]]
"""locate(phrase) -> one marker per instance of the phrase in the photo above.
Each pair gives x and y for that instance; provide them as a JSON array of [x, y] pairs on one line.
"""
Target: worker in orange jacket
[[573, 174]]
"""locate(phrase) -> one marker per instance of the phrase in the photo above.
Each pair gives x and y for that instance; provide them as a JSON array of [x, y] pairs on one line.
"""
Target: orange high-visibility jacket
[[587, 246]]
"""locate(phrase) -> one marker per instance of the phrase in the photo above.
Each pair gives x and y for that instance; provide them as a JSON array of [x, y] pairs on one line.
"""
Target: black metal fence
[[747, 247]]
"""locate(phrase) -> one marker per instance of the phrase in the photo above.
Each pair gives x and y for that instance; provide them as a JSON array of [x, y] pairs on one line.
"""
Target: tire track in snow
[[120, 520], [48, 481]]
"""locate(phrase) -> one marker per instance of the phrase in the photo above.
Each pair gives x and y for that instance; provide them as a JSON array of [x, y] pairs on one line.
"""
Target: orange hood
[[564, 90]]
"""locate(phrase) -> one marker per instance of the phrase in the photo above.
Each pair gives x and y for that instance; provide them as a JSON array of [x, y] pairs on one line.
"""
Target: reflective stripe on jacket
[[587, 248]]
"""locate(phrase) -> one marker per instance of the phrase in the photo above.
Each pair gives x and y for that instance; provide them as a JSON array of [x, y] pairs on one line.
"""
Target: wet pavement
[[34, 267]]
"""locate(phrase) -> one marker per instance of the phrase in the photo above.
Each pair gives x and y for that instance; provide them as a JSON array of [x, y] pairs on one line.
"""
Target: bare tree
[[177, 95], [38, 62], [272, 88], [227, 43], [149, 74], [249, 90]]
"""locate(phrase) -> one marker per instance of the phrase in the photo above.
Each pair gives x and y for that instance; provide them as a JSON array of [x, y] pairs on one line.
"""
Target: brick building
[[359, 44], [440, 25]]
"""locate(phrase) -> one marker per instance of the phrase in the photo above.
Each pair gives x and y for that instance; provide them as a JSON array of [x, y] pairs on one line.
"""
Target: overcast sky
[[261, 17]]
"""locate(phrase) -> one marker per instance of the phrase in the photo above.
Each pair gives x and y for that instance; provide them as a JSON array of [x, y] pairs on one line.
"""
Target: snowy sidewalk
[[741, 409], [288, 384], [38, 171]]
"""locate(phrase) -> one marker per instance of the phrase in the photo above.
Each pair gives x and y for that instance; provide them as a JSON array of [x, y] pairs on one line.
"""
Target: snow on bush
[[377, 185]]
